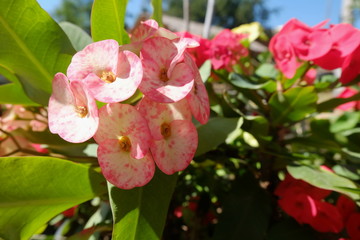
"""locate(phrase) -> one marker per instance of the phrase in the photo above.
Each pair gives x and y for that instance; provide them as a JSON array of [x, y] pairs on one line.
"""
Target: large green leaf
[[246, 211], [32, 46], [292, 105], [78, 37], [324, 179], [13, 92], [214, 133], [140, 213], [157, 14], [108, 20], [35, 189]]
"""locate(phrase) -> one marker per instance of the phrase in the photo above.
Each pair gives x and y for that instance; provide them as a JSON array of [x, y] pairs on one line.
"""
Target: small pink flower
[[165, 79], [226, 49], [198, 98], [174, 136], [284, 55], [123, 137], [201, 53], [110, 75], [73, 113]]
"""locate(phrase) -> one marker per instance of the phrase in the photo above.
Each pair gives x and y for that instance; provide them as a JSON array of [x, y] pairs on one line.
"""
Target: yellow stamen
[[108, 77], [125, 143], [81, 111], [165, 130], [163, 75]]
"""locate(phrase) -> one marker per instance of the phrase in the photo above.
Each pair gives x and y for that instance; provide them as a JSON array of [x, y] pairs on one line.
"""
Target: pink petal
[[128, 77], [118, 120], [175, 153], [94, 58], [198, 99], [156, 113], [121, 169], [157, 54], [63, 118], [144, 30]]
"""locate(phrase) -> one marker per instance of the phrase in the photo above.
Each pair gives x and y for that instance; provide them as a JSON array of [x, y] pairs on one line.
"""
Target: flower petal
[[198, 98], [63, 118], [129, 74], [118, 120], [122, 170], [174, 153], [157, 113], [94, 58]]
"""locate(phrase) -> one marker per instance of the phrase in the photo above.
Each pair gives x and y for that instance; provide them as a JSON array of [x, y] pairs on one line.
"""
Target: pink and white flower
[[73, 113], [174, 136], [165, 78], [109, 74], [123, 137]]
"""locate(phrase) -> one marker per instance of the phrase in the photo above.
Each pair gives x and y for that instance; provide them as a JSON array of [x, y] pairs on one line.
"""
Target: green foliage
[[33, 56], [157, 13], [76, 12], [324, 179], [214, 133], [292, 105], [13, 92], [246, 211], [108, 20], [78, 37], [140, 213], [39, 188]]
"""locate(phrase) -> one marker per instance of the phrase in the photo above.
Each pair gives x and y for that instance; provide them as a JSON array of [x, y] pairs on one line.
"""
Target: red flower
[[353, 226], [327, 218]]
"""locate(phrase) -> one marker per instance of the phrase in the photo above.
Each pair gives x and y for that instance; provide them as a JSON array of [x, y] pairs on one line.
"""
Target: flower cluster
[[224, 50], [306, 203], [328, 48], [132, 139]]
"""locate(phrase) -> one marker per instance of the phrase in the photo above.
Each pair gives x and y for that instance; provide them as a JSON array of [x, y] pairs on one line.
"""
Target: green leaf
[[267, 70], [78, 37], [246, 211], [323, 179], [331, 104], [157, 14], [13, 92], [32, 46], [346, 121], [35, 189], [325, 81], [108, 20], [243, 81], [293, 105], [299, 73], [214, 133], [140, 213], [205, 70]]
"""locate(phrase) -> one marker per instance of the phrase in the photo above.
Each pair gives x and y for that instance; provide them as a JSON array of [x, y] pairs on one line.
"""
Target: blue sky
[[310, 12]]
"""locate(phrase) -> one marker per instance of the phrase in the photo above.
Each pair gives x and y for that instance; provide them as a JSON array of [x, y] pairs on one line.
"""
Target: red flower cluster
[[329, 48], [306, 203], [349, 92], [224, 50]]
